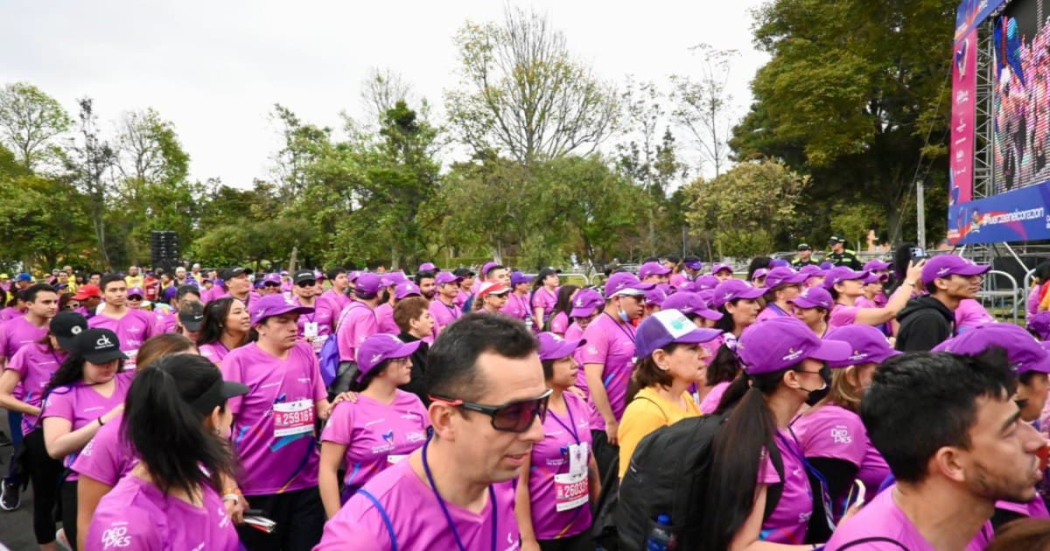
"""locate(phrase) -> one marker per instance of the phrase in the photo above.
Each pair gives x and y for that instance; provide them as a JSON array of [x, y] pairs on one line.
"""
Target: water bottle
[[661, 538]]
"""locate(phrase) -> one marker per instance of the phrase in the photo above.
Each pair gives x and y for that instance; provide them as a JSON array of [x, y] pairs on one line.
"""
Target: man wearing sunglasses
[[488, 403]]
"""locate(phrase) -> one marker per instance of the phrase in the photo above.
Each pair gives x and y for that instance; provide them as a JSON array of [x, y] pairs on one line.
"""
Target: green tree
[[703, 107], [30, 120], [90, 164]]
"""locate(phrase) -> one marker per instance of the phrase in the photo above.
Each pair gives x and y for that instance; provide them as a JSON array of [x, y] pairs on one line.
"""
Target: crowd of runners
[[806, 405]]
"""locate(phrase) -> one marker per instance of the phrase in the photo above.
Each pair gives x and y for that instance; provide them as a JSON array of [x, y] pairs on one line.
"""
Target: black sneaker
[[9, 496]]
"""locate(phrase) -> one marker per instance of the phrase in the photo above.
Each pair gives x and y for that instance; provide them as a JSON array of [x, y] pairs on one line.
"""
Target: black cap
[[804, 247], [65, 326], [463, 272], [235, 271], [836, 239], [99, 346], [191, 316], [217, 394], [547, 272], [304, 275]]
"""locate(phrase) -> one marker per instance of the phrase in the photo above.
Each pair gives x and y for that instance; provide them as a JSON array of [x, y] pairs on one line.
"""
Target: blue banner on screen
[[972, 13], [1020, 215]]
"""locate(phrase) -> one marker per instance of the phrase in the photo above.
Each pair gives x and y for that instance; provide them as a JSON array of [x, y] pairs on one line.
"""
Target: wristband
[[910, 283], [100, 423], [236, 499]]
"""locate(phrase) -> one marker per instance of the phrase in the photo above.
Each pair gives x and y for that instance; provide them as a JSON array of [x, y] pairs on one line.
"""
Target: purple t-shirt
[[574, 333], [273, 425], [107, 457], [710, 402], [882, 518], [772, 311], [834, 432], [358, 323], [517, 307], [35, 364], [610, 344], [376, 435], [135, 328], [443, 314], [841, 316], [790, 518], [135, 515], [385, 319], [549, 485], [214, 351], [560, 323], [416, 518], [18, 332], [545, 299], [970, 314], [81, 404]]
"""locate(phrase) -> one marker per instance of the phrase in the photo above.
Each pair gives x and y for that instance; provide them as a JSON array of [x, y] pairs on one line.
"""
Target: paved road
[[16, 527]]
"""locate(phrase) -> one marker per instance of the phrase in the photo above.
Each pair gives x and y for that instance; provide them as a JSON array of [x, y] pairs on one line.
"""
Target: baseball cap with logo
[[554, 347], [98, 346], [380, 348], [136, 292], [368, 285], [191, 316], [87, 291], [706, 283], [693, 263], [406, 289], [841, 273], [835, 239], [444, 278], [302, 276], [780, 343], [876, 265], [517, 278], [814, 297], [947, 265], [656, 296], [587, 301], [490, 288], [868, 343], [487, 267], [784, 276], [391, 279], [1022, 350], [625, 283], [271, 279], [804, 247], [65, 326], [235, 271], [275, 305], [428, 267], [735, 289], [691, 304], [651, 269], [721, 267], [669, 327]]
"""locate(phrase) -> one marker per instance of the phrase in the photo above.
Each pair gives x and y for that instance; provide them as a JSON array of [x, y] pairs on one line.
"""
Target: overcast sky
[[215, 69]]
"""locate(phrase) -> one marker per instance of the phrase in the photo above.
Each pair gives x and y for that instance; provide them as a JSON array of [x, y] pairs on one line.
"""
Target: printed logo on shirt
[[134, 329], [87, 449], [515, 543], [416, 436], [95, 408], [374, 421], [116, 537], [304, 380], [840, 435], [389, 437]]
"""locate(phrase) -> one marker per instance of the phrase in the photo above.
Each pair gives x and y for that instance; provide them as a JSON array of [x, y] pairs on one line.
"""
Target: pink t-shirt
[[18, 332], [135, 328], [417, 520], [517, 307], [882, 518], [610, 344], [574, 333], [443, 314], [9, 313], [376, 435], [358, 323], [107, 457], [841, 316], [550, 457], [1033, 301], [545, 299], [214, 351], [790, 518], [677, 280], [81, 405], [462, 298], [970, 314], [864, 302], [710, 402], [273, 425], [135, 515], [834, 432], [560, 323], [167, 322], [329, 305], [35, 364], [315, 327], [772, 311]]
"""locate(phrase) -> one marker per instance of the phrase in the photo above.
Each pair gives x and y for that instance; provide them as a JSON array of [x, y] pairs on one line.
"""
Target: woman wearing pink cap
[[559, 317], [756, 455], [846, 286], [723, 272], [781, 286], [402, 290], [385, 310], [544, 297], [377, 430], [226, 326], [586, 306], [671, 360], [812, 308], [559, 480], [518, 304], [274, 425], [832, 435]]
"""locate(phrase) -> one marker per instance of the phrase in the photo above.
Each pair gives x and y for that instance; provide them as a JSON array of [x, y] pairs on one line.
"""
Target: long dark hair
[[564, 302], [724, 368], [215, 314], [738, 455], [757, 263], [376, 371], [166, 430], [72, 371]]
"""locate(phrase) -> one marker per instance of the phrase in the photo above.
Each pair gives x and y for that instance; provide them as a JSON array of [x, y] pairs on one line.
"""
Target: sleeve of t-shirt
[[597, 348], [231, 371], [3, 341], [340, 425], [559, 323], [126, 529], [767, 472], [59, 404], [840, 437], [639, 420], [358, 523], [18, 363], [844, 315], [98, 462]]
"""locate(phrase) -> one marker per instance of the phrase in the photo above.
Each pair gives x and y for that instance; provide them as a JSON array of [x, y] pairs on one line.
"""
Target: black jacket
[[925, 323], [417, 385]]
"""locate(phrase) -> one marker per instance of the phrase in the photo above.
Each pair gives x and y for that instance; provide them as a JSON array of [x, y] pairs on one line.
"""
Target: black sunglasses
[[514, 417], [271, 284], [309, 283]]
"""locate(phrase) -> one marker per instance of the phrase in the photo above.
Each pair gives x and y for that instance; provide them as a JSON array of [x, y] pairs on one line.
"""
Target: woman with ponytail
[[178, 424], [784, 367]]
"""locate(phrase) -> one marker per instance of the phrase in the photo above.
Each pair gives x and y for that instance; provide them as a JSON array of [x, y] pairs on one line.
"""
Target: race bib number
[[571, 489], [130, 362], [310, 329], [293, 418]]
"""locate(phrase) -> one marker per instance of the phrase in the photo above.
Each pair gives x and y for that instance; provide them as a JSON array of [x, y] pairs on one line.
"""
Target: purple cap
[[428, 267], [876, 265], [391, 279], [693, 265], [271, 278], [841, 273], [136, 292], [406, 289], [517, 278], [708, 296], [651, 269], [444, 278], [624, 283], [827, 265], [1040, 324], [947, 265], [275, 305], [691, 303], [760, 273], [721, 266], [666, 327], [587, 301], [1021, 347], [706, 283], [814, 297], [170, 293], [779, 343], [869, 345], [352, 276], [368, 284], [553, 347], [488, 266], [872, 278], [380, 348], [784, 276], [655, 296], [734, 289], [779, 263], [686, 287], [811, 270]]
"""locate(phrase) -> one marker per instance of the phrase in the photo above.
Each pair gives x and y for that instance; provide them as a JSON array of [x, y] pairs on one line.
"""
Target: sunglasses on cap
[[308, 283], [514, 417]]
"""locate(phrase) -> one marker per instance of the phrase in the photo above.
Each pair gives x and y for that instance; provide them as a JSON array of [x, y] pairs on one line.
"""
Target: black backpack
[[669, 475]]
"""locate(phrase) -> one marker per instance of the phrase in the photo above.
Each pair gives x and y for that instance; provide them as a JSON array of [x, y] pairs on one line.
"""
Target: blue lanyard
[[444, 508], [619, 325], [825, 497], [571, 427]]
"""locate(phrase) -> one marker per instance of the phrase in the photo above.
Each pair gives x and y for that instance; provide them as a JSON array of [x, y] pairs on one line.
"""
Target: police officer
[[842, 256], [805, 257]]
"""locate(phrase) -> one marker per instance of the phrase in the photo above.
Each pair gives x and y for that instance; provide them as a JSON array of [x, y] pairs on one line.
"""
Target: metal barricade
[[1011, 298], [578, 279]]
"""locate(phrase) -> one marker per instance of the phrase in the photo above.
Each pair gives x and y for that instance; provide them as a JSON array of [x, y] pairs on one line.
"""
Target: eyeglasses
[[514, 417], [310, 283]]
